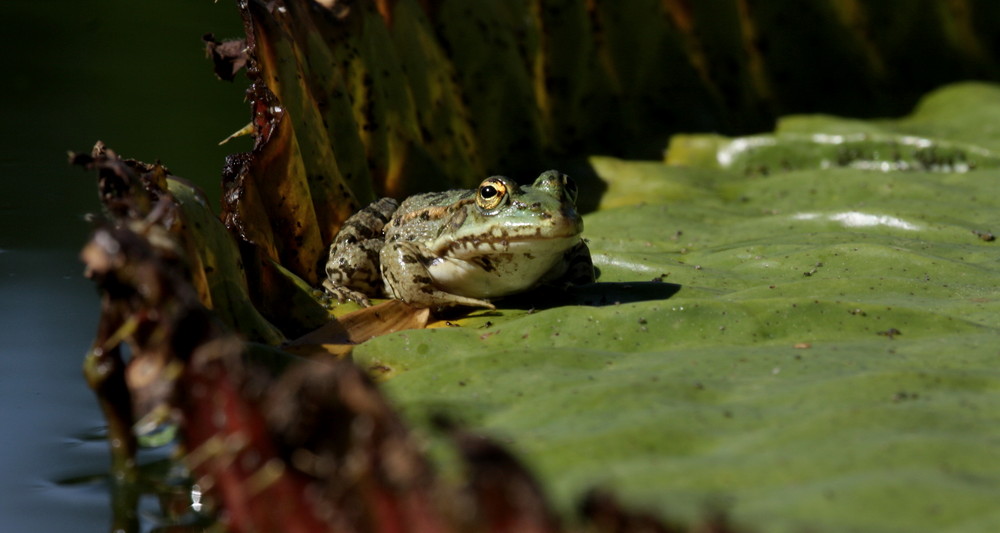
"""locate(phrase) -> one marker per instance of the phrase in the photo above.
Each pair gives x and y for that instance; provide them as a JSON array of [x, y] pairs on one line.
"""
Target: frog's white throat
[[498, 268]]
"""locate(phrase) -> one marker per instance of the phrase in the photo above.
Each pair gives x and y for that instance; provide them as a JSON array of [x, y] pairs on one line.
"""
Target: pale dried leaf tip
[[339, 8], [245, 130]]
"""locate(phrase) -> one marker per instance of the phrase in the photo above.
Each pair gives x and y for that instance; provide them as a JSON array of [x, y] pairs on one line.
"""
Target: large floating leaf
[[828, 361]]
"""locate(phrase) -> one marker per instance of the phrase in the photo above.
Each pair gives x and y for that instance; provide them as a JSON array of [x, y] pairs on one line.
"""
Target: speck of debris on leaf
[[891, 332], [985, 235], [903, 395]]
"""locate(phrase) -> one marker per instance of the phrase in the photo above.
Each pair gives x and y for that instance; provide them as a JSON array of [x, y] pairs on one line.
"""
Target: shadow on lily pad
[[597, 294]]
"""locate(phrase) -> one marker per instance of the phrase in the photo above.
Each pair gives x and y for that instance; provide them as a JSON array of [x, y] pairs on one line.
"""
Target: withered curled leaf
[[228, 57]]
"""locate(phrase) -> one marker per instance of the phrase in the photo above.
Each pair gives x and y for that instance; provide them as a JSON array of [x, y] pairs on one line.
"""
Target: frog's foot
[[434, 298], [427, 295], [343, 294]]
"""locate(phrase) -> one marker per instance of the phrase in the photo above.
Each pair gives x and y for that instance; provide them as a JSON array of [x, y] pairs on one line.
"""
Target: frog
[[463, 247]]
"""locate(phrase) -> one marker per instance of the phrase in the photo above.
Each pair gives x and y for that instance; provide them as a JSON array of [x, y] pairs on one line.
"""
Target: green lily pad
[[811, 349]]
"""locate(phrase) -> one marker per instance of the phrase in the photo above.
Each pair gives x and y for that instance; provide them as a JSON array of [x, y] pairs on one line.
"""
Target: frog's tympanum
[[462, 247]]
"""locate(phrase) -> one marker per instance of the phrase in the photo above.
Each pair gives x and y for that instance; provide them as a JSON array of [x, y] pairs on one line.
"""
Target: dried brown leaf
[[228, 57]]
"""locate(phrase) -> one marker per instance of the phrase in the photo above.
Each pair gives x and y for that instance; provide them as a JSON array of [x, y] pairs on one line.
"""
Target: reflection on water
[[133, 75]]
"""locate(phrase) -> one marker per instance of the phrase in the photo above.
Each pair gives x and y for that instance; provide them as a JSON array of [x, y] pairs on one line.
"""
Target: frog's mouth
[[554, 238]]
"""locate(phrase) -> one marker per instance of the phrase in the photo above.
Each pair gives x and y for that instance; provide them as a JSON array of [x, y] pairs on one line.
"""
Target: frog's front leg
[[580, 269], [407, 278], [352, 269], [576, 268]]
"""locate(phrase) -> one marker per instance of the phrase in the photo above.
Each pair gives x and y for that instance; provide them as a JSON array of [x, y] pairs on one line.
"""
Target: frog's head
[[503, 238], [505, 217]]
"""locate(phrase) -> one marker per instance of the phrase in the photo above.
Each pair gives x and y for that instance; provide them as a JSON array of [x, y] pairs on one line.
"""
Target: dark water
[[133, 74]]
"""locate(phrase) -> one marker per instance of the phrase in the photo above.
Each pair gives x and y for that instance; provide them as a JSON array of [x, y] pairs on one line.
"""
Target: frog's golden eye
[[491, 194]]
